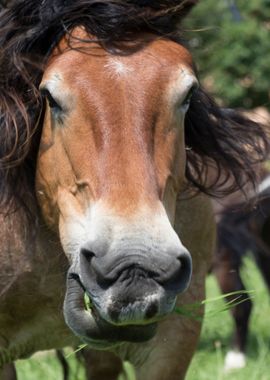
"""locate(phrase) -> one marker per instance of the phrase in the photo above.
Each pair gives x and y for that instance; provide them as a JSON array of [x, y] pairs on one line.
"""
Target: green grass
[[45, 366], [207, 364]]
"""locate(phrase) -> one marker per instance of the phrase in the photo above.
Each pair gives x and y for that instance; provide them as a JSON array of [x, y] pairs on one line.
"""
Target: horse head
[[111, 162]]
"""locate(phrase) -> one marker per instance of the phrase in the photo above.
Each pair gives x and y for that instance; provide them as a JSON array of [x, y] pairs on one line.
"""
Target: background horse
[[105, 134], [243, 227]]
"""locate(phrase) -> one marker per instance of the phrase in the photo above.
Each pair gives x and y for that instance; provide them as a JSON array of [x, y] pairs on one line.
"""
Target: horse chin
[[89, 326]]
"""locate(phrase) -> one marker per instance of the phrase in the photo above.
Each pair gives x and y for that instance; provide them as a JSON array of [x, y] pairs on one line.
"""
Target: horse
[[242, 227], [107, 137]]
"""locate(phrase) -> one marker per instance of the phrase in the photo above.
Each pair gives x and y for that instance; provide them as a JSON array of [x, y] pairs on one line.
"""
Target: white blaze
[[115, 66]]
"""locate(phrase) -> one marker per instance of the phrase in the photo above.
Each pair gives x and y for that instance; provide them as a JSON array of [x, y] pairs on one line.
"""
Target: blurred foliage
[[230, 40]]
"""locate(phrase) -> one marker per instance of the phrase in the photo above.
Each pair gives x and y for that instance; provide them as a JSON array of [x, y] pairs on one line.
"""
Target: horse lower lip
[[89, 325], [111, 333]]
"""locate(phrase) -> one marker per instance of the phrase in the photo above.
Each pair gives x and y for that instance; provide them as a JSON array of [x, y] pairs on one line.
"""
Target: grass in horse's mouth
[[193, 310], [87, 302], [189, 311]]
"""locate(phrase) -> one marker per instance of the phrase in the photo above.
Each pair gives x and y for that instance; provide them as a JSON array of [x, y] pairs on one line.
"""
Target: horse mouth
[[86, 322]]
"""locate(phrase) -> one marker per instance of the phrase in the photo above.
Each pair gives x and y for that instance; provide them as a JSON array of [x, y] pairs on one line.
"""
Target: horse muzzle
[[132, 271], [129, 295], [88, 324]]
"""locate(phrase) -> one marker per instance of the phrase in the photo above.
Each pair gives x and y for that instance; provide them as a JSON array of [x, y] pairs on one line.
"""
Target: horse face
[[111, 162]]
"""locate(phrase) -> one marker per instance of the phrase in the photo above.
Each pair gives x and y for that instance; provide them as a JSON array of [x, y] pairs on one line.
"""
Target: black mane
[[30, 29]]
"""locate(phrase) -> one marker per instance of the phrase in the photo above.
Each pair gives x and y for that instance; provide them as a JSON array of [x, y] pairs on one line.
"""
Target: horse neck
[[26, 248]]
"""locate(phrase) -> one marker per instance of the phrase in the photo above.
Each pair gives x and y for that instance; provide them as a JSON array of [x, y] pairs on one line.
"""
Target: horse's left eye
[[187, 99]]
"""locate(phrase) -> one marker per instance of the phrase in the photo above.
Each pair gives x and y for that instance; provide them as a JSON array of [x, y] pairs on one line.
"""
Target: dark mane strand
[[224, 147]]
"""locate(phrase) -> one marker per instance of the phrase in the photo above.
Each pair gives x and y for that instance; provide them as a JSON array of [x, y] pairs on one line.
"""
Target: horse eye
[[52, 102], [186, 101]]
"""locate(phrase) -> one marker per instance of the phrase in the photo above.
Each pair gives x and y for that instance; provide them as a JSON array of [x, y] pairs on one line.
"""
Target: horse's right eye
[[54, 105]]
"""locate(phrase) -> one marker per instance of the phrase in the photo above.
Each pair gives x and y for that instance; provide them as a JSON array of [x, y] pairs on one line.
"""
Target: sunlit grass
[[216, 336], [215, 340]]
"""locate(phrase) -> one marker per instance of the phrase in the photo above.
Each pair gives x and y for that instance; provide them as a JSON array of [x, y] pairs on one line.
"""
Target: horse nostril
[[177, 277], [182, 276], [87, 254], [186, 267], [93, 269]]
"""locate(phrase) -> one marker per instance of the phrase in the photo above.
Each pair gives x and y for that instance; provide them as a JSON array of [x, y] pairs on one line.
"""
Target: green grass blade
[[191, 310], [80, 347]]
